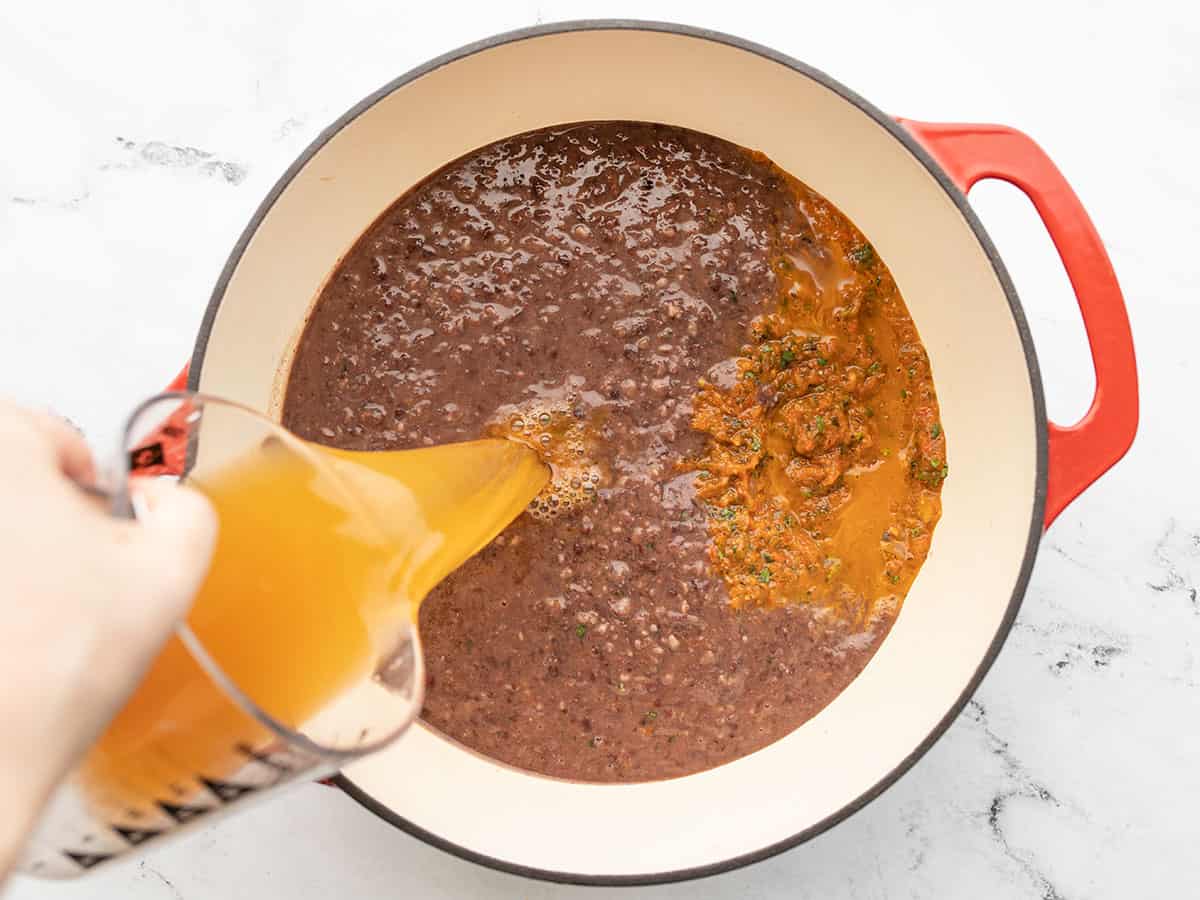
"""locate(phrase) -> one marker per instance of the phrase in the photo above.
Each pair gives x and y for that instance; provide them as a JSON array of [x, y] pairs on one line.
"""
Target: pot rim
[[1039, 408]]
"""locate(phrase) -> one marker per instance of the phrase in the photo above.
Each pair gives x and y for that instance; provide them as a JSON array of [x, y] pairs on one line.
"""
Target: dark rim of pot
[[1036, 507]]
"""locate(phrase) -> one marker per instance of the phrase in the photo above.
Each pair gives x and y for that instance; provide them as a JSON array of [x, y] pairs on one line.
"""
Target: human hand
[[86, 601]]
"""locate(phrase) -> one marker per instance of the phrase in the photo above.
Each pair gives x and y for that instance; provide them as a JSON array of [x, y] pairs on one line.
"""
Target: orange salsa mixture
[[825, 454]]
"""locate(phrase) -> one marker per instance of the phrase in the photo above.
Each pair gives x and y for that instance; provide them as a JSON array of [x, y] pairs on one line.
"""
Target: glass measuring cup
[[298, 654]]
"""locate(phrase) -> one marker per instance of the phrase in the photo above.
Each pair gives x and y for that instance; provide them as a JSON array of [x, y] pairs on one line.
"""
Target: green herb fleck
[[764, 576], [936, 474], [822, 361], [787, 356], [936, 431], [894, 579], [580, 631], [874, 368], [820, 424], [862, 255], [755, 443], [903, 395], [725, 514]]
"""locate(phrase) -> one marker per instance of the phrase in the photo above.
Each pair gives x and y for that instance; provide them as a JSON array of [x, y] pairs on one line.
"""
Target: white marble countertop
[[140, 136]]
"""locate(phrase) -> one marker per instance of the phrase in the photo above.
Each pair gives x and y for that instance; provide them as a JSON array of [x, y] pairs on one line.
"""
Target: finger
[[174, 537], [72, 454]]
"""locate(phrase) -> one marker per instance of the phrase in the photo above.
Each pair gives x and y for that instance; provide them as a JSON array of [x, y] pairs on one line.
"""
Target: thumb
[[176, 535]]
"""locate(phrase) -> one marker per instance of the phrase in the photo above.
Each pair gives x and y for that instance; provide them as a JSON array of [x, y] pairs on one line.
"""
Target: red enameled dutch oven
[[903, 183]]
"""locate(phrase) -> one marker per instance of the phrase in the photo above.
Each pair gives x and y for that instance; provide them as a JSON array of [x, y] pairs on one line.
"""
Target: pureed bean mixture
[[764, 447]]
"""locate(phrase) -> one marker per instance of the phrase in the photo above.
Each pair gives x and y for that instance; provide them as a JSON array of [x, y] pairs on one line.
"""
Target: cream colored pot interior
[[960, 598]]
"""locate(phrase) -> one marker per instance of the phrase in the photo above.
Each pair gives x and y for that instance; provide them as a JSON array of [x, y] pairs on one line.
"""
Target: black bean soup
[[600, 269]]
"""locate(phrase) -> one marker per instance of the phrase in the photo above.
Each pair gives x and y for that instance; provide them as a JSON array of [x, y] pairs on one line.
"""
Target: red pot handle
[[163, 451], [180, 381], [1079, 453]]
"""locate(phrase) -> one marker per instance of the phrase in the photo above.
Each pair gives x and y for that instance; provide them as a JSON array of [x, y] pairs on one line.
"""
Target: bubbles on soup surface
[[561, 437]]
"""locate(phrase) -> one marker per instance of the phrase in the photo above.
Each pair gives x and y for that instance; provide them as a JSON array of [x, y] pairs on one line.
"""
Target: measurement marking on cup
[[87, 860], [225, 791], [135, 836], [265, 759], [182, 813]]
